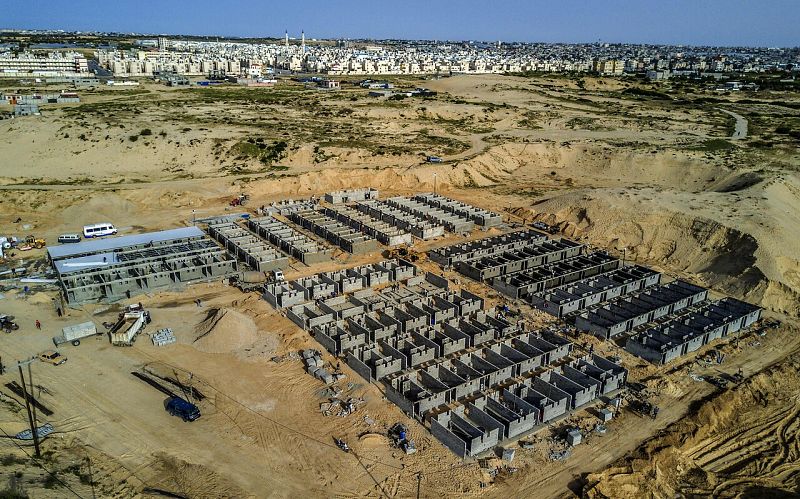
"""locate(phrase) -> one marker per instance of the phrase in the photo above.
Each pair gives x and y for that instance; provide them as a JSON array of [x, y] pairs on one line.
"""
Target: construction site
[[477, 373], [510, 322]]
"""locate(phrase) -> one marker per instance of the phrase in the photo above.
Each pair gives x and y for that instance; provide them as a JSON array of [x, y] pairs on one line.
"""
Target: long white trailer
[[74, 334]]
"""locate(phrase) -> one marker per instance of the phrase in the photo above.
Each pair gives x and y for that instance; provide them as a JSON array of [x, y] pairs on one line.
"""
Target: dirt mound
[[224, 331], [739, 182], [741, 443], [178, 478]]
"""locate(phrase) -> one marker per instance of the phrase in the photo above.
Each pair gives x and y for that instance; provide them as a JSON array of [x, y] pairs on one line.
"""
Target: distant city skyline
[[771, 23]]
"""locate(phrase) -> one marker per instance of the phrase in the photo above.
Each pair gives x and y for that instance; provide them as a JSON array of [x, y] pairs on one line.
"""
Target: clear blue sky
[[696, 22]]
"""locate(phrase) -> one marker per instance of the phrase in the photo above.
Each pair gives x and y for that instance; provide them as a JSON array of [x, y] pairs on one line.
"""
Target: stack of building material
[[163, 337]]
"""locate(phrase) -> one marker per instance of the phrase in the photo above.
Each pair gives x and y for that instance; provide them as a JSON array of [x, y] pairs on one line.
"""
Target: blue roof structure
[[109, 244]]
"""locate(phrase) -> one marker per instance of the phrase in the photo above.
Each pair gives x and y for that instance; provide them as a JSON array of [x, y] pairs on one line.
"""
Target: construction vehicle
[[550, 229], [404, 252], [341, 444], [74, 334], [398, 433], [7, 323], [130, 323], [52, 357], [251, 280], [32, 242], [240, 200]]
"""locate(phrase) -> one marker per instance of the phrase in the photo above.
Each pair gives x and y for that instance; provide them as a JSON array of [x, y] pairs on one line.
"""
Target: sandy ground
[[624, 174]]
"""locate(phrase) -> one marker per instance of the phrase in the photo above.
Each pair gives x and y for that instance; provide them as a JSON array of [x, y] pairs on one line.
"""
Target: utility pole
[[419, 482], [91, 476], [30, 415], [33, 407], [434, 183]]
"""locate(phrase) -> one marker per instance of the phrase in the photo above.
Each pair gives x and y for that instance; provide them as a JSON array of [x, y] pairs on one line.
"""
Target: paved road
[[740, 129]]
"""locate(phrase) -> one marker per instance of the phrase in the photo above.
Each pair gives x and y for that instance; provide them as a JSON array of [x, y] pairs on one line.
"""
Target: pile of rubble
[[339, 407], [315, 367]]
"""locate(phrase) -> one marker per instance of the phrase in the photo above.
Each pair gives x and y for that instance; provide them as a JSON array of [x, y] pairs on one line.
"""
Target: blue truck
[[187, 411]]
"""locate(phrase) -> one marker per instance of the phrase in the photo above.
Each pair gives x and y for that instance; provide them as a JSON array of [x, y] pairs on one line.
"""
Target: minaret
[[286, 38], [303, 41]]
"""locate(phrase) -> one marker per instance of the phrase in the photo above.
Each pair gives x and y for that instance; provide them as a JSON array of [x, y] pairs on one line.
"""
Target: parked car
[[69, 238], [7, 323], [52, 357], [187, 411]]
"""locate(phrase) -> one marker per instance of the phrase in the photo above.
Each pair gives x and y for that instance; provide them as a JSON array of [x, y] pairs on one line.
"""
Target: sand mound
[[224, 331], [742, 443]]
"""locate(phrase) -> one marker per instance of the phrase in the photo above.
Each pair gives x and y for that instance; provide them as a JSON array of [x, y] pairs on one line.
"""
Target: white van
[[99, 230], [69, 238]]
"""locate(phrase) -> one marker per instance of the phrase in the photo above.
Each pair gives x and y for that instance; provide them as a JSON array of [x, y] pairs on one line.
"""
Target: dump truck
[[74, 334], [131, 322]]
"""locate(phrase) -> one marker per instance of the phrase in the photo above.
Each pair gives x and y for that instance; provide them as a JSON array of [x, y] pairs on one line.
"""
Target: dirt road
[[740, 128]]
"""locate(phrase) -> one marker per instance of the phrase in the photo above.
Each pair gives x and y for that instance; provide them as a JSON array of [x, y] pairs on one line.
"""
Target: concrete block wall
[[626, 313], [413, 224], [350, 240], [140, 268], [686, 333], [549, 398], [287, 206], [351, 195], [480, 216], [510, 262], [515, 414], [522, 284], [466, 433], [582, 294], [282, 295], [488, 246], [450, 221], [248, 248], [384, 232], [290, 240]]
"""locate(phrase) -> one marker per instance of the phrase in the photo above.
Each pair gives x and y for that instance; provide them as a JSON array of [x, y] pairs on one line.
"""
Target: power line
[[36, 461]]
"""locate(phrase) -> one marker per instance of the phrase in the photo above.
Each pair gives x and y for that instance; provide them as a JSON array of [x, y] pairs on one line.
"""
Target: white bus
[[99, 230]]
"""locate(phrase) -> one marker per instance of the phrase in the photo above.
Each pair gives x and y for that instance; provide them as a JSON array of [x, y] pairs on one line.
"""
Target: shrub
[[146, 132]]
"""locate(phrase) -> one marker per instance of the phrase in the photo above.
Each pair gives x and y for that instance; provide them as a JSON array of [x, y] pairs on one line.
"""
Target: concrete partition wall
[[580, 394], [357, 365], [448, 438], [398, 399], [551, 400], [483, 429], [437, 280], [516, 415]]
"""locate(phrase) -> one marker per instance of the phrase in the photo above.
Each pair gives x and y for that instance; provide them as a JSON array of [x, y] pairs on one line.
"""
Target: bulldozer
[[34, 242], [404, 252]]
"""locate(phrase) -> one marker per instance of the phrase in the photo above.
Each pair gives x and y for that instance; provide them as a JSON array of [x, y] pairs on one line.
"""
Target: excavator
[[405, 252]]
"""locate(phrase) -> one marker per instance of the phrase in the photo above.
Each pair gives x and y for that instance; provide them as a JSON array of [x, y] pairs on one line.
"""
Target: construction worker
[[38, 324]]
